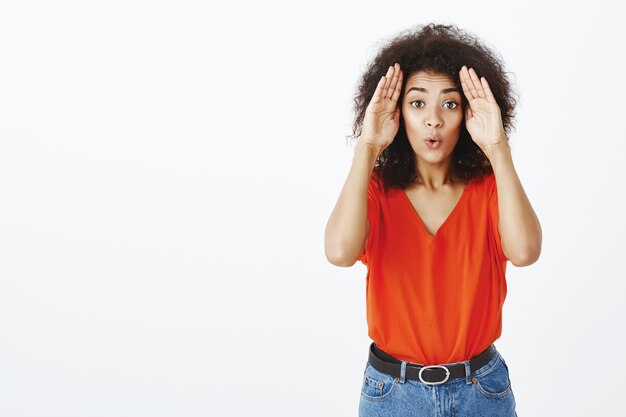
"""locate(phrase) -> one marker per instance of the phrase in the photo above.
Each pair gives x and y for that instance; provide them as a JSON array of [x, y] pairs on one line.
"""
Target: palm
[[385, 117], [482, 119], [382, 116]]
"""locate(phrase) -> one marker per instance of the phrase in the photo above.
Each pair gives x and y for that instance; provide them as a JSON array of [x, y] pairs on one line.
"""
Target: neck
[[434, 176]]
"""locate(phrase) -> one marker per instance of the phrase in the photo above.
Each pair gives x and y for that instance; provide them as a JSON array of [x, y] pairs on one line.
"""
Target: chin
[[433, 156]]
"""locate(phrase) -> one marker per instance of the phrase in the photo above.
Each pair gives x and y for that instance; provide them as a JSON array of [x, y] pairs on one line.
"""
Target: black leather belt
[[430, 374]]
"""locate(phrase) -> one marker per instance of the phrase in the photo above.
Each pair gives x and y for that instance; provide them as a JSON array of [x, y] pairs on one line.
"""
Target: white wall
[[167, 170]]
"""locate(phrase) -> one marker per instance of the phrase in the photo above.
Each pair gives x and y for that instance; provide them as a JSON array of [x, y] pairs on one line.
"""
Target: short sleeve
[[494, 215], [374, 188]]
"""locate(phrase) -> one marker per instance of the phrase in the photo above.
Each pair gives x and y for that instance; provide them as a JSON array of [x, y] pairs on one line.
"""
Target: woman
[[434, 207]]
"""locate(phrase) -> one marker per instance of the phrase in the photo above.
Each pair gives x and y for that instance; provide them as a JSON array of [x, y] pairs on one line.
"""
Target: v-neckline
[[456, 208]]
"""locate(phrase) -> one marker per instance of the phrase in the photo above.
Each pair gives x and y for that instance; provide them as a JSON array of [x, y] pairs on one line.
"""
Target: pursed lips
[[433, 138]]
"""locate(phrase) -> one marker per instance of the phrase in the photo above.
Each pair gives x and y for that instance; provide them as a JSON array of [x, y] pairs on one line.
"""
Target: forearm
[[346, 229], [520, 231]]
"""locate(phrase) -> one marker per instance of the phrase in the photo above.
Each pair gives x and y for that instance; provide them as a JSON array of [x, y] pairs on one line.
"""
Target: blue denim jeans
[[483, 393]]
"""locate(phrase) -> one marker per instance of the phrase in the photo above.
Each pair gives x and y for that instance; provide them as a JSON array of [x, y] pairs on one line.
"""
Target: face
[[431, 106]]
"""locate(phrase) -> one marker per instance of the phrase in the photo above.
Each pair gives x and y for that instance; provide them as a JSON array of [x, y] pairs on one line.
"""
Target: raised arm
[[348, 227], [519, 227]]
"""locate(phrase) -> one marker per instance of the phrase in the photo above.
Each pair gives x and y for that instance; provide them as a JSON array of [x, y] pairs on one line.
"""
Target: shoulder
[[376, 180], [487, 180], [376, 174]]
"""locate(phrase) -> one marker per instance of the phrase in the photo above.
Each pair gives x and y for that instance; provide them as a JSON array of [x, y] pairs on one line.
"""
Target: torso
[[434, 207]]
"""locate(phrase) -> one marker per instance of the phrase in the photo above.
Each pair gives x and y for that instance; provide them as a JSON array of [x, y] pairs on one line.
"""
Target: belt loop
[[468, 372], [403, 372]]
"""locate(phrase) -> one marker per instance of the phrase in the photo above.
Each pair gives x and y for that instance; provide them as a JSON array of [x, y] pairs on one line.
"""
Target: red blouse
[[434, 299]]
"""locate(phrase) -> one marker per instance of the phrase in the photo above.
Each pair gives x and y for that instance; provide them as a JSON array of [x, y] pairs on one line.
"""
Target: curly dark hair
[[441, 49]]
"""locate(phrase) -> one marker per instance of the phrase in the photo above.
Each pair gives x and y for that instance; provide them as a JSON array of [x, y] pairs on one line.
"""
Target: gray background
[[167, 170]]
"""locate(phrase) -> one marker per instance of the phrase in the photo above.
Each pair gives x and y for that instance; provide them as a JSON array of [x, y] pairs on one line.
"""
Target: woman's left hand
[[482, 117]]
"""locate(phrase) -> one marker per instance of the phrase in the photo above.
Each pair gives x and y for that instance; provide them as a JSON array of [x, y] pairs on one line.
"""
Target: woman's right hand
[[382, 115]]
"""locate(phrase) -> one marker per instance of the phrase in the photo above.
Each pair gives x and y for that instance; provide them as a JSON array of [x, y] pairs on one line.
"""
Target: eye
[[454, 103]]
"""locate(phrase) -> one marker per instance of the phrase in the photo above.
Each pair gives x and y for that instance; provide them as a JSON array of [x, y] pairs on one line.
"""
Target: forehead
[[432, 81]]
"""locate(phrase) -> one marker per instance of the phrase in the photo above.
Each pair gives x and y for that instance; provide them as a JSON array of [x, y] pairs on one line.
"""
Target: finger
[[388, 79], [464, 76], [379, 90], [393, 81], [488, 93], [472, 93], [478, 87], [398, 86]]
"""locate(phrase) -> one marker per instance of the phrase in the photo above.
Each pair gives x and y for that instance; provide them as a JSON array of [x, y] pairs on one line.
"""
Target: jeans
[[485, 392]]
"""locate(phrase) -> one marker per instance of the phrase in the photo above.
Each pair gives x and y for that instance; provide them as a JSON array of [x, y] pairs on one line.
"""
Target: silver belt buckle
[[433, 366]]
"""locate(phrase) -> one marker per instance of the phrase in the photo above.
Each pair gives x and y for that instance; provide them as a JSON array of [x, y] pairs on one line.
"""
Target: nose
[[433, 119]]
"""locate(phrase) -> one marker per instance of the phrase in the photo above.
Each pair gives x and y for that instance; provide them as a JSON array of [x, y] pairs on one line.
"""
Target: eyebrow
[[423, 90]]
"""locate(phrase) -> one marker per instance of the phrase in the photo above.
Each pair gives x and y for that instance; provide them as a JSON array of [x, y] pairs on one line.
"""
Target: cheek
[[411, 118], [456, 118]]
